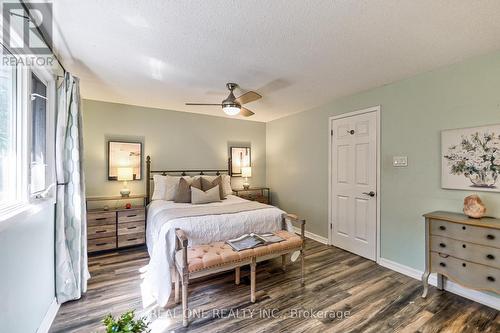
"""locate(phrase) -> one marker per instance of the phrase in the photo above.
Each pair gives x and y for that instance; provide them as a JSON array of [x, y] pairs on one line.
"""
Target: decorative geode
[[474, 207]]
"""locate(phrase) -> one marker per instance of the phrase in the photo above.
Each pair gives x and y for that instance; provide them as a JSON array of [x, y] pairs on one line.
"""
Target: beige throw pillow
[[183, 194], [207, 184], [200, 197]]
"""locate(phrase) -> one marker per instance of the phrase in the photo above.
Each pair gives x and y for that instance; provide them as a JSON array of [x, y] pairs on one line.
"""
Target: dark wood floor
[[343, 293]]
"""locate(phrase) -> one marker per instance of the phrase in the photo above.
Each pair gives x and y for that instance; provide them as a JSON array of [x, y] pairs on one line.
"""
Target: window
[[38, 135], [8, 143]]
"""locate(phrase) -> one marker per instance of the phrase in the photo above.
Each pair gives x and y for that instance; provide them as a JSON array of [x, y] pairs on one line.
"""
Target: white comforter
[[160, 237]]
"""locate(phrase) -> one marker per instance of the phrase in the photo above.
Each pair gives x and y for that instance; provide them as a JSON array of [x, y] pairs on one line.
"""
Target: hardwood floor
[[343, 293]]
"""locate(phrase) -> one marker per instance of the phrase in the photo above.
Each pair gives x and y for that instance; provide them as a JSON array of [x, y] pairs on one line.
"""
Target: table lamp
[[125, 174], [246, 172]]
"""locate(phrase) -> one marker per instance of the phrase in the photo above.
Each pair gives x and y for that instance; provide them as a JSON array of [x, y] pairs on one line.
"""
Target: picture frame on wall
[[470, 158], [240, 157], [124, 154]]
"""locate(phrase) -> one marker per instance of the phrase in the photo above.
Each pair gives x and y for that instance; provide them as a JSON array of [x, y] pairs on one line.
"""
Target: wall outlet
[[400, 161]]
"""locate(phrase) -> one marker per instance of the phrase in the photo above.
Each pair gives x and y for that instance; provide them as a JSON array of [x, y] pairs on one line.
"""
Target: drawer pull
[[490, 256], [491, 278], [442, 227], [100, 231], [490, 236], [464, 246], [464, 264], [463, 228], [101, 244], [442, 264], [442, 244], [132, 239], [133, 215], [100, 218], [130, 228]]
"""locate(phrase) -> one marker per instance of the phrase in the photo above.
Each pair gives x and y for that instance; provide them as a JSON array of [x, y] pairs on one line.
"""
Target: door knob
[[371, 193]]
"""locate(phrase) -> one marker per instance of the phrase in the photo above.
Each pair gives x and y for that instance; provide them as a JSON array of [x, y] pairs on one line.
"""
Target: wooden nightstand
[[116, 227], [260, 194]]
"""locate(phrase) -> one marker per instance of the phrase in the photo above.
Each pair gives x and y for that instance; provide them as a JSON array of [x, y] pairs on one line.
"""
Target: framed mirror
[[122, 154], [240, 157]]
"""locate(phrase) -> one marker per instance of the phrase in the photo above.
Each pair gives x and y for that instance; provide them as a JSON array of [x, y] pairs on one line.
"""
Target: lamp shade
[[246, 171], [125, 174]]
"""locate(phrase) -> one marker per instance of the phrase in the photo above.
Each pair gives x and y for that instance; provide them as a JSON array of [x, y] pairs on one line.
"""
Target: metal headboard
[[150, 173]]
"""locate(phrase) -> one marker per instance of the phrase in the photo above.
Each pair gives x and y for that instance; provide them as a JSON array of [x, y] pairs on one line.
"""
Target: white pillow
[[200, 197], [165, 187], [159, 184], [226, 185]]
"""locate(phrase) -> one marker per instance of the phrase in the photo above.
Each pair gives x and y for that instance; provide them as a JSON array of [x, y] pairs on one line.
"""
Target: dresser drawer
[[468, 251], [100, 244], [132, 239], [100, 218], [468, 233], [131, 228], [131, 215], [466, 273], [101, 231], [254, 197]]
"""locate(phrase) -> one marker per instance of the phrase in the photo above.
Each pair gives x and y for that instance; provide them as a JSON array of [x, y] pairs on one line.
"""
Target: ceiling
[[297, 54]]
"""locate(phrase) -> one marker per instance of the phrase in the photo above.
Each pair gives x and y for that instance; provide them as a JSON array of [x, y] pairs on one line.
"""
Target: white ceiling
[[297, 54]]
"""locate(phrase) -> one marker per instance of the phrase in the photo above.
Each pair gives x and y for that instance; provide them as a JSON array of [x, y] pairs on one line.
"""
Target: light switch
[[400, 161]]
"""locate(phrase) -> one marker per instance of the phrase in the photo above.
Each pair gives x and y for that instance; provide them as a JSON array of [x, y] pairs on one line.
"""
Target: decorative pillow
[[172, 184], [226, 185], [183, 193], [200, 197], [207, 184]]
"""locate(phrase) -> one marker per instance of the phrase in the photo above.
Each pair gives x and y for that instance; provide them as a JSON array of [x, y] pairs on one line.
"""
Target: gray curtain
[[71, 231]]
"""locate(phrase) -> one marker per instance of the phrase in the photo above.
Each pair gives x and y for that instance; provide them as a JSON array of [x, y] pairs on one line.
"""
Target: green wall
[[175, 140], [413, 112]]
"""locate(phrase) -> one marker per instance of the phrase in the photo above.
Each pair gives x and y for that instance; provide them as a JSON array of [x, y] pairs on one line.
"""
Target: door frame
[[377, 110]]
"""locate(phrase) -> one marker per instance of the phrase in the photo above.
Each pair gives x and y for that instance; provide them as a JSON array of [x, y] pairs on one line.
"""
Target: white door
[[354, 184]]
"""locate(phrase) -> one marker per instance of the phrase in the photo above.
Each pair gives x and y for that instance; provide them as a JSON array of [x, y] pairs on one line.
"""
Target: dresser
[[260, 194], [462, 249], [115, 227]]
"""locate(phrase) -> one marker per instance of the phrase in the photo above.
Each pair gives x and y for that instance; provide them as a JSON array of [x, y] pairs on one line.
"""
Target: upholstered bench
[[201, 260]]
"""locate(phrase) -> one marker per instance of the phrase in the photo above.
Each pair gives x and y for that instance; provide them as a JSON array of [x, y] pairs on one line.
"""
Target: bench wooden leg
[[302, 278], [237, 273], [185, 314], [177, 289], [283, 262], [252, 279]]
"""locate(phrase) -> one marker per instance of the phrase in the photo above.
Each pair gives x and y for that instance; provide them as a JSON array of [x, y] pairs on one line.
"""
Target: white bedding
[[160, 236]]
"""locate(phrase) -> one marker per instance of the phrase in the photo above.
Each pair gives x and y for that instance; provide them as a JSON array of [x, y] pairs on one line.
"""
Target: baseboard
[[476, 296], [49, 317], [312, 236]]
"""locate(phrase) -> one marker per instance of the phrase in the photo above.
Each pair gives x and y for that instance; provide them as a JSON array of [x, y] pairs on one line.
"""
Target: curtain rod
[[29, 18]]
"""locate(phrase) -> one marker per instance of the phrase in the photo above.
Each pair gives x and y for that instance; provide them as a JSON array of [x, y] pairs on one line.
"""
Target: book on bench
[[250, 241]]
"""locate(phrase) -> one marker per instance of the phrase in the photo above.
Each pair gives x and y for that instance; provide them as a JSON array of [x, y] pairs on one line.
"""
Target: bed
[[203, 224]]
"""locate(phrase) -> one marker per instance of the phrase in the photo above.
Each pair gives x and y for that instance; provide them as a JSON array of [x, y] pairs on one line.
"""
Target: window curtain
[[71, 230]]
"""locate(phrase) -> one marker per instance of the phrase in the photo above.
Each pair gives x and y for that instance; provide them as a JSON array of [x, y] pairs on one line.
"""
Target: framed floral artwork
[[470, 158]]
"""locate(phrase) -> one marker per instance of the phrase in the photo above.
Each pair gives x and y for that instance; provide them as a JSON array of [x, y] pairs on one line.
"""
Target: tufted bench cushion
[[201, 257]]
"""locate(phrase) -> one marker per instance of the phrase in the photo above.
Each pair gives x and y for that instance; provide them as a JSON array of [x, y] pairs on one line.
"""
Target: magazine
[[250, 241]]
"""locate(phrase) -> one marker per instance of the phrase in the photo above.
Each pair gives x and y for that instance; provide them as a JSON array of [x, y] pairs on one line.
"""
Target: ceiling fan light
[[231, 110]]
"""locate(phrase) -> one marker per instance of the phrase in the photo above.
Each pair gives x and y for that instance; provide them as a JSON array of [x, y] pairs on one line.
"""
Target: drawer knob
[[442, 264], [489, 236], [100, 218], [133, 215], [129, 228], [464, 264], [442, 227], [99, 231], [464, 246], [463, 228], [101, 244], [491, 278], [490, 256], [132, 239], [442, 244]]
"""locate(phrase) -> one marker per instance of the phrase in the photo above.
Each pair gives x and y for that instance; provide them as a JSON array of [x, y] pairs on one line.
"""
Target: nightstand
[[260, 194], [116, 227]]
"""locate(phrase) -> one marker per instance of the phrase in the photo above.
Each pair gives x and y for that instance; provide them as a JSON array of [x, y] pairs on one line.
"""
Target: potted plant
[[126, 323]]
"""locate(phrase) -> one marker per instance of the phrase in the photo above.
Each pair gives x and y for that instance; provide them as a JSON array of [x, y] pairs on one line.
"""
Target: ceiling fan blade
[[248, 97], [245, 112], [202, 104]]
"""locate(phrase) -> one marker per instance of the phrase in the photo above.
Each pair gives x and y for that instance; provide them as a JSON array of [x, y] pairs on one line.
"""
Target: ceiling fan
[[232, 105]]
